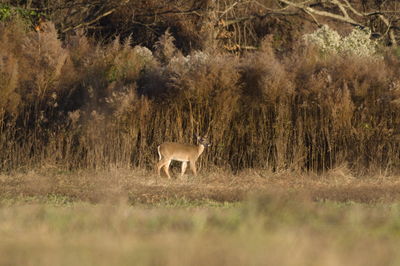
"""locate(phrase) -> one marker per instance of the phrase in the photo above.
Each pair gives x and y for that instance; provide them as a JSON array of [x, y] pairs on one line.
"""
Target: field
[[305, 157], [131, 217]]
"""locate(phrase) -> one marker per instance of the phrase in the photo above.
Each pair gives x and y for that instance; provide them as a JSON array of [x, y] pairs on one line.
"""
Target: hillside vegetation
[[83, 105], [74, 100], [300, 100]]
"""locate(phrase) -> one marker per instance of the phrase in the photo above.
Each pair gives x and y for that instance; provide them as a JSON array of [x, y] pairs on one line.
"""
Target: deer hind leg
[[160, 165], [166, 166], [184, 165], [193, 167]]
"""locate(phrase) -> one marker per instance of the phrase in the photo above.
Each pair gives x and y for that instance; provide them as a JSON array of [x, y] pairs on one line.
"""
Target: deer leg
[[166, 166], [160, 165], [193, 167], [184, 165]]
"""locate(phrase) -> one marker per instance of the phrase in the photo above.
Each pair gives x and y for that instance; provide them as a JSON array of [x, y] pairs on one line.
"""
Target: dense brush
[[81, 105]]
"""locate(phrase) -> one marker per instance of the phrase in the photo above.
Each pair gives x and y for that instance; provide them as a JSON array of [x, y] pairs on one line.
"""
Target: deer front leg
[[184, 165], [193, 167]]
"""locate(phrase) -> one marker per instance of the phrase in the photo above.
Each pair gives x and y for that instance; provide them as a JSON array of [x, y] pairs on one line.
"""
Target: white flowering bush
[[325, 38], [195, 59], [358, 42]]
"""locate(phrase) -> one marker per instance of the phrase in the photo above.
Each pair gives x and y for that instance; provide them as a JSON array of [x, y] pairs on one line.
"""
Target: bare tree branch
[[343, 6], [311, 10], [109, 12]]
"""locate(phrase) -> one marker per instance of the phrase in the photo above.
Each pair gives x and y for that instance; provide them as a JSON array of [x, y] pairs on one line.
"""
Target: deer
[[173, 151]]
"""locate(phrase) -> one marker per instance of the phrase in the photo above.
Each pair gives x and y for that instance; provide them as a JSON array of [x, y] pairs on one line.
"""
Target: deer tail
[[159, 153]]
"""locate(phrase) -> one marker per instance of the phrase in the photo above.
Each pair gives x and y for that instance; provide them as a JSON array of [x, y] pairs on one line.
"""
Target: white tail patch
[[159, 153]]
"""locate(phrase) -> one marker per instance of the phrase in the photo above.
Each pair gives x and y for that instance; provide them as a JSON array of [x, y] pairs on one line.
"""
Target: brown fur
[[171, 151]]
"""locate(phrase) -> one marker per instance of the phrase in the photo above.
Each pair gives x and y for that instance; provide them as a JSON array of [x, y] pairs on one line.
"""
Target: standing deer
[[172, 151]]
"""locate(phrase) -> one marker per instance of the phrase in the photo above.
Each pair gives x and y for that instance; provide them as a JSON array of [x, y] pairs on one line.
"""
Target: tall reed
[[79, 104]]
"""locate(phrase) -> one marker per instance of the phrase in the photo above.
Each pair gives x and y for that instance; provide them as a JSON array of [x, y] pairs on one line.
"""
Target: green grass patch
[[265, 230]]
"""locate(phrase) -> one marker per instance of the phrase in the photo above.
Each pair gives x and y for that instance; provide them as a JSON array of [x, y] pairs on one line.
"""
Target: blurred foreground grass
[[267, 229], [125, 217]]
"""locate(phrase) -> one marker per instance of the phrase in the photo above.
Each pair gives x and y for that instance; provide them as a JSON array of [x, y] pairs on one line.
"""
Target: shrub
[[358, 42], [79, 104]]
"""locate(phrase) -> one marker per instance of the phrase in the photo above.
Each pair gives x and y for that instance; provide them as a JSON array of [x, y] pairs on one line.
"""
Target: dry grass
[[48, 218], [90, 106], [78, 135], [123, 216], [143, 187]]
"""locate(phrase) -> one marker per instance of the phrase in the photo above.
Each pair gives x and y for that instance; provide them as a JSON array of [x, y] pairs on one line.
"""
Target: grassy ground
[[140, 186], [121, 217]]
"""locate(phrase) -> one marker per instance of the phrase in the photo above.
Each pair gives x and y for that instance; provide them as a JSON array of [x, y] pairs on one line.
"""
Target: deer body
[[185, 153]]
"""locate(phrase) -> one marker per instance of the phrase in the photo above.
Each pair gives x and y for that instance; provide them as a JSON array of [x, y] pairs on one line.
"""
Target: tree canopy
[[233, 25]]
